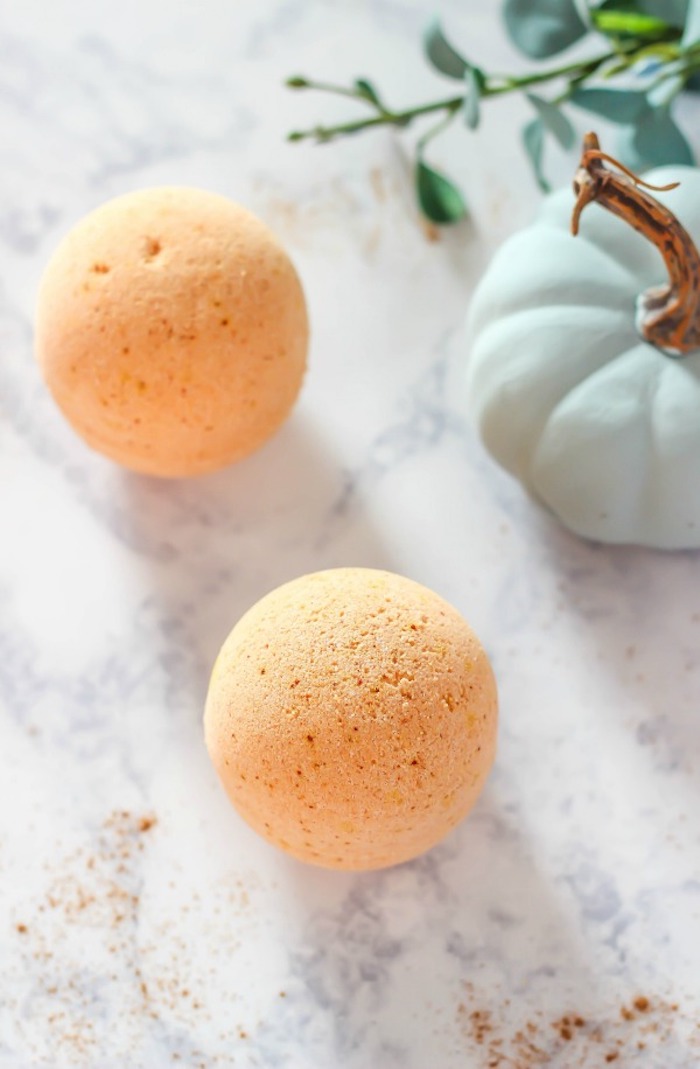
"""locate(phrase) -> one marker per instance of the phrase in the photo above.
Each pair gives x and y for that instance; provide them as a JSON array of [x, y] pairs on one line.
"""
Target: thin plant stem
[[437, 129], [627, 54]]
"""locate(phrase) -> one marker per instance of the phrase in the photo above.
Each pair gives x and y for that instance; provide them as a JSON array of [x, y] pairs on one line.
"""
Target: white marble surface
[[141, 923]]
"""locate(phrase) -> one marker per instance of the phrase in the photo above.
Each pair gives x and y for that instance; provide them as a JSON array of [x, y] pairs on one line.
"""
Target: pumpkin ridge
[[675, 443], [616, 487], [533, 268], [513, 391]]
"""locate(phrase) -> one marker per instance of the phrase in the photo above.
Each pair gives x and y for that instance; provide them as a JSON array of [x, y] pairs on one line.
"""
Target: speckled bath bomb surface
[[171, 329], [351, 717]]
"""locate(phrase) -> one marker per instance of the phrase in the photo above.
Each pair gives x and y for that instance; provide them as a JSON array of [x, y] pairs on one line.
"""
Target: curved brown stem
[[668, 315]]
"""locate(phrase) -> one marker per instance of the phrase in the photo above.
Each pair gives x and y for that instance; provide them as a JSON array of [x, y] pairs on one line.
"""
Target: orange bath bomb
[[351, 717], [171, 329]]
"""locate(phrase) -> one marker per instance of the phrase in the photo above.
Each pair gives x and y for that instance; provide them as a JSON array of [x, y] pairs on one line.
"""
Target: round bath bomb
[[351, 717], [171, 329]]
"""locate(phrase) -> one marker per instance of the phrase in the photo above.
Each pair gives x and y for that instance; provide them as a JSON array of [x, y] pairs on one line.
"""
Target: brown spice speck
[[151, 248], [22, 929], [642, 1004], [430, 231]]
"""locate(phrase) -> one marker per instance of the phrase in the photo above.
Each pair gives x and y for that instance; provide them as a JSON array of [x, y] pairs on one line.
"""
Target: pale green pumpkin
[[599, 425]]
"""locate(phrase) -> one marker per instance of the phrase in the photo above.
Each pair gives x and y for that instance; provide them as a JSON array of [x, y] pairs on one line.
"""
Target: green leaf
[[654, 141], [691, 34], [617, 105], [533, 139], [472, 94], [670, 12], [653, 19], [628, 24], [440, 200], [541, 28], [367, 90], [554, 119], [441, 53]]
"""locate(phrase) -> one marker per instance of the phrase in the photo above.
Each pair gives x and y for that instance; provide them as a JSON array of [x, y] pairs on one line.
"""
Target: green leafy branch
[[657, 42]]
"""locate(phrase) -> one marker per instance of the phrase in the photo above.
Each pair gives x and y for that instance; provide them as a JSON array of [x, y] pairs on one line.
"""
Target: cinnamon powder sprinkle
[[95, 890], [542, 1040]]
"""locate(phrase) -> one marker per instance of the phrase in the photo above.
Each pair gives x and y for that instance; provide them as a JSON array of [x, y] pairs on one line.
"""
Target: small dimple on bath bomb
[[351, 718], [172, 331]]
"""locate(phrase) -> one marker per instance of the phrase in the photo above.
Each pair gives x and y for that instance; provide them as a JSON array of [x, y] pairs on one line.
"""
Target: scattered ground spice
[[90, 909], [572, 1039]]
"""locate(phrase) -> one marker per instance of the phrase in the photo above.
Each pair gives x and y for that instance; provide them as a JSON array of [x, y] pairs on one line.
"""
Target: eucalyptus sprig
[[650, 47]]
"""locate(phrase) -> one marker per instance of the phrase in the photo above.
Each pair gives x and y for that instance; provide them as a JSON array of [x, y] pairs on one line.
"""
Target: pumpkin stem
[[668, 316]]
